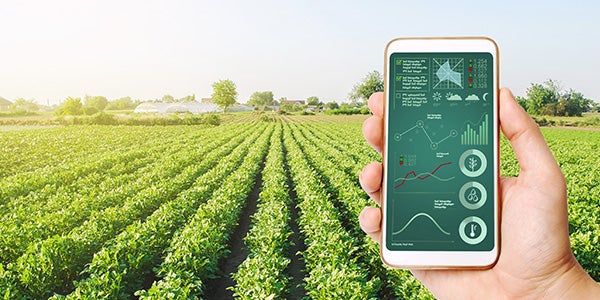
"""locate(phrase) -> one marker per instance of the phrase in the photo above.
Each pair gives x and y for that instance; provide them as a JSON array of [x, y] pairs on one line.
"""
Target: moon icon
[[484, 95]]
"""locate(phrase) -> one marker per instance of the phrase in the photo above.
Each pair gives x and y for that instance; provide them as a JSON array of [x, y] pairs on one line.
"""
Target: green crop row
[[30, 220], [344, 187], [262, 274], [28, 150], [96, 212], [51, 265], [331, 260], [347, 136], [195, 250], [120, 268]]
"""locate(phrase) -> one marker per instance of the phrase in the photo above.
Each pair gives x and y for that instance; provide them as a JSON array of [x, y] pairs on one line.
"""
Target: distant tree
[[594, 106], [346, 106], [121, 104], [224, 93], [26, 105], [554, 86], [189, 98], [522, 102], [573, 103], [89, 110], [370, 84], [538, 96], [98, 102], [282, 100], [291, 107], [167, 99], [261, 99], [549, 98], [313, 100], [332, 105], [71, 107]]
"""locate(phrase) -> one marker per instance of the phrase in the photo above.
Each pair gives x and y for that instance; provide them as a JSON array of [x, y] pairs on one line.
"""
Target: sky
[[50, 50]]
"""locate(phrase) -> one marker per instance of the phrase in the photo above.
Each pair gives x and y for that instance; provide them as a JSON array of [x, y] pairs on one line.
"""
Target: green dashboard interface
[[440, 183]]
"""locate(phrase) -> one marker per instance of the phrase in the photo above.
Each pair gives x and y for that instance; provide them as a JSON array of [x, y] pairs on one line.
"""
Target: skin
[[536, 260]]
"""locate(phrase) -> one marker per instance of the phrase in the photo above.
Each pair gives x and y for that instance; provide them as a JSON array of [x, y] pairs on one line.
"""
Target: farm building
[[5, 104], [294, 102]]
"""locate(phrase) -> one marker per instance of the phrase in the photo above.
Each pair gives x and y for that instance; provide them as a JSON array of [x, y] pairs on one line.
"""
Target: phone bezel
[[443, 259]]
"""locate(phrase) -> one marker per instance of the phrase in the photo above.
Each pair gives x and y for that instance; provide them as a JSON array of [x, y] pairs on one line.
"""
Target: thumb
[[532, 152]]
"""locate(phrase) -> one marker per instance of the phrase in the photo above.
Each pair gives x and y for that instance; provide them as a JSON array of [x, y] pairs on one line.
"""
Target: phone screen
[[440, 154]]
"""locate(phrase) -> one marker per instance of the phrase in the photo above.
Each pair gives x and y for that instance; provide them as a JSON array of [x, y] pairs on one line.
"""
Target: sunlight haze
[[146, 49]]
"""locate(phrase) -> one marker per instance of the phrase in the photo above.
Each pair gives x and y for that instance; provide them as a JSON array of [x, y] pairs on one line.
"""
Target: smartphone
[[440, 159]]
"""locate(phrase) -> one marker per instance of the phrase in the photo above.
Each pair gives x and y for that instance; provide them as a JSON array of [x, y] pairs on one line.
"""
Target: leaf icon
[[472, 163]]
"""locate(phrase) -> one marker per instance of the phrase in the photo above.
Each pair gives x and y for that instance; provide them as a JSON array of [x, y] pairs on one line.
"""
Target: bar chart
[[476, 135]]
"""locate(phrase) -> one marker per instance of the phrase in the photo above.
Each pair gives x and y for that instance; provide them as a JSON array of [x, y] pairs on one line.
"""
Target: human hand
[[536, 260]]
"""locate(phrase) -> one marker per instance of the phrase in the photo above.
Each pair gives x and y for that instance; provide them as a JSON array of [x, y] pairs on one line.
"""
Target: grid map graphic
[[449, 73]]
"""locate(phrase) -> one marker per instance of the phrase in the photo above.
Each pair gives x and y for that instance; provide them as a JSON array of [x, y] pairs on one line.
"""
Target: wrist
[[575, 283]]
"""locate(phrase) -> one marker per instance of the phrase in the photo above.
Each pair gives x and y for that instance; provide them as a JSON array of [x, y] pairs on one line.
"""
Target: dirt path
[[297, 268], [217, 288]]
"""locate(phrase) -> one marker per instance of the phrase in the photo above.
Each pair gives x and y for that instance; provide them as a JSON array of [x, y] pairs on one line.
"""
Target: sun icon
[[437, 96]]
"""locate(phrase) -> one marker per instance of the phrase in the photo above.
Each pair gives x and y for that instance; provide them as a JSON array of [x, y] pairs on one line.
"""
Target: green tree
[[522, 101], [573, 103], [332, 105], [189, 98], [370, 84], [291, 107], [24, 105], [346, 106], [282, 100], [261, 99], [98, 102], [167, 99], [224, 93], [313, 100], [71, 107], [549, 98], [121, 104], [538, 96]]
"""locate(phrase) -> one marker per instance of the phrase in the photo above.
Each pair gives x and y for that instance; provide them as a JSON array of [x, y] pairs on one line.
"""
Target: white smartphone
[[440, 183]]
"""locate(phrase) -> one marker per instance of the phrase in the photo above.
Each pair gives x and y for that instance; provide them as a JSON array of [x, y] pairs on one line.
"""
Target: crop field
[[255, 208]]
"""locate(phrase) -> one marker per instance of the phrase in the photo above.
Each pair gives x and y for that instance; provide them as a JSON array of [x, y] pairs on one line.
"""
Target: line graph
[[422, 215], [422, 176], [421, 125]]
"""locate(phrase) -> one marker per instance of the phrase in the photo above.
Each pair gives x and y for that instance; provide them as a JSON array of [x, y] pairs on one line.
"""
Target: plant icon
[[472, 163]]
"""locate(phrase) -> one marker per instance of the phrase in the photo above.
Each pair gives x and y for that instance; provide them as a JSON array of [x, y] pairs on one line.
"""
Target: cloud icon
[[472, 97], [454, 97]]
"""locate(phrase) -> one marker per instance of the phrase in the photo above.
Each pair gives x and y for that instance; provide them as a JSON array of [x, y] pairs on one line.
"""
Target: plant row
[[352, 199], [40, 215], [262, 274], [52, 265], [120, 268], [195, 251], [28, 150], [331, 254]]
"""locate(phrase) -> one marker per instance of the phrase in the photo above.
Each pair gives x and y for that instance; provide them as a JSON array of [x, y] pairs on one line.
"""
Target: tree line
[[550, 98]]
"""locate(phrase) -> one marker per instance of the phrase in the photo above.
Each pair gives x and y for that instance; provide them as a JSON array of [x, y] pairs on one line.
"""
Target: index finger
[[376, 104]]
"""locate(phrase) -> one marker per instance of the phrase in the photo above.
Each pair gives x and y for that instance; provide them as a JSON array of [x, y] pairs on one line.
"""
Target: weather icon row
[[437, 96]]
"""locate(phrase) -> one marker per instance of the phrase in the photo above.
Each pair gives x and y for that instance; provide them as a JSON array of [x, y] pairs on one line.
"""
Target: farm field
[[255, 208]]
